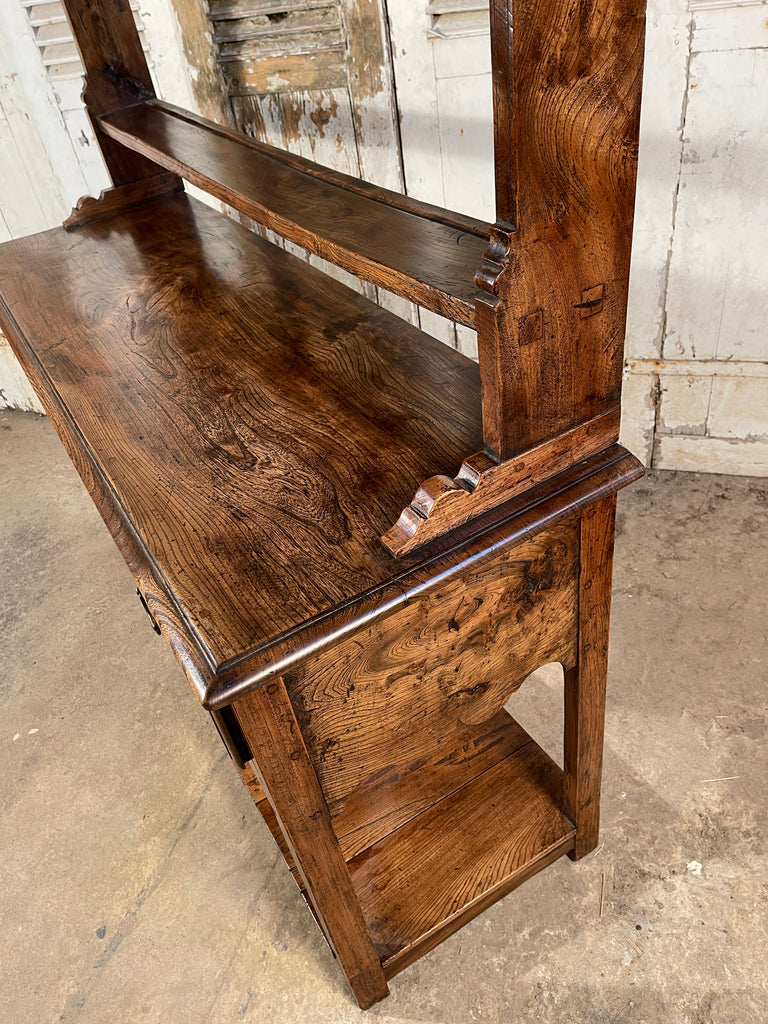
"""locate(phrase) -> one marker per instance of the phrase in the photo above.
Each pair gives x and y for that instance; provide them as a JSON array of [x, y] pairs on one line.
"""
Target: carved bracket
[[122, 197], [495, 258], [442, 504]]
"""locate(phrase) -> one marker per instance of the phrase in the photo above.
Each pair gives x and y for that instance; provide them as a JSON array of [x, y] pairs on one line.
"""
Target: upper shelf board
[[421, 252]]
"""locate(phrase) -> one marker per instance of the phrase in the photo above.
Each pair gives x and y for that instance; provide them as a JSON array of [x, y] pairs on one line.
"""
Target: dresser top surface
[[256, 425]]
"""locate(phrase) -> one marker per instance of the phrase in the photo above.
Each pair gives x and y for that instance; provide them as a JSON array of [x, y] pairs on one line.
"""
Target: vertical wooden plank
[[371, 90], [505, 153], [416, 85], [116, 75], [567, 106], [286, 774], [585, 684]]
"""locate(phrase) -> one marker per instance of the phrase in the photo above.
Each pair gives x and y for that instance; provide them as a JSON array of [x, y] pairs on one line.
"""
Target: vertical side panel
[[567, 112]]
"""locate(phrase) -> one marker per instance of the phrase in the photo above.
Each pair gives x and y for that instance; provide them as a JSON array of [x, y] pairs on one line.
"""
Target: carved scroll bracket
[[122, 197], [442, 504], [495, 258]]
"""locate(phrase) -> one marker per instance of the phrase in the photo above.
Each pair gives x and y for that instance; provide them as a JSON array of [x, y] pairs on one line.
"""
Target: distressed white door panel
[[683, 404], [15, 389], [440, 328], [730, 27], [88, 153], [466, 341], [739, 408], [459, 58], [372, 93], [398, 305], [416, 92], [711, 455], [717, 303], [638, 415], [664, 94], [22, 207], [466, 139]]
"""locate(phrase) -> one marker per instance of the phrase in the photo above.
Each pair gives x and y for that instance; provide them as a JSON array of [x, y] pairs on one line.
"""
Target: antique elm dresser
[[358, 542]]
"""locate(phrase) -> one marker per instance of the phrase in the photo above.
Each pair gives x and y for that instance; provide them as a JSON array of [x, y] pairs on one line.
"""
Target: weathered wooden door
[[313, 76]]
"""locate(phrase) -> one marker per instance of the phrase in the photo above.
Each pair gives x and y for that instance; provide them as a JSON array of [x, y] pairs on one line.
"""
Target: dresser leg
[[585, 684], [286, 774]]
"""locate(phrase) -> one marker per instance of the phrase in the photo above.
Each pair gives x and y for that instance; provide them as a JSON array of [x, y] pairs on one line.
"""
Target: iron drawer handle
[[149, 613]]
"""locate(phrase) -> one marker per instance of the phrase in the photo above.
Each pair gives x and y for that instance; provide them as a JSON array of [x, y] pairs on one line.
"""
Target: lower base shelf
[[429, 877], [451, 862]]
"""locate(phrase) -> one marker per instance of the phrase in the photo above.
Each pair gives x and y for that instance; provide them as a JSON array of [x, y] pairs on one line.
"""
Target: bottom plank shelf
[[438, 871], [455, 859]]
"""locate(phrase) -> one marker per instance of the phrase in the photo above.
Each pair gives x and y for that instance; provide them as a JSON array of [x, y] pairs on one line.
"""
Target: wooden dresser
[[357, 542]]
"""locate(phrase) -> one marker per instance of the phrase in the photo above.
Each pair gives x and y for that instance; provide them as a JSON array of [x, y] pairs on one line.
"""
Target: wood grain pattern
[[251, 782], [386, 698], [408, 248], [285, 773], [404, 788], [441, 503], [258, 424], [585, 684], [567, 106], [434, 874], [571, 491]]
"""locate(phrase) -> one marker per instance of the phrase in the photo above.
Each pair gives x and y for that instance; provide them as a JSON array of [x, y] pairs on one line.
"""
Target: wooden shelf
[[430, 876], [498, 821], [425, 254]]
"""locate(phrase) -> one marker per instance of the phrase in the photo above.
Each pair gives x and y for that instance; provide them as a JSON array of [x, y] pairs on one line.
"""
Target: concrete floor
[[139, 883]]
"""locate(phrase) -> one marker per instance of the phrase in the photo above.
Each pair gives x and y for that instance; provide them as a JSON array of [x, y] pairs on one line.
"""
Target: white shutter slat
[[54, 40]]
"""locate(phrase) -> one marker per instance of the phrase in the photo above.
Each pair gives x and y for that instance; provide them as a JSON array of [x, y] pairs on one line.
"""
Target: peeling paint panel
[[372, 92], [739, 408], [638, 415], [319, 126], [731, 26], [664, 95], [718, 289], [711, 455], [683, 404], [416, 91]]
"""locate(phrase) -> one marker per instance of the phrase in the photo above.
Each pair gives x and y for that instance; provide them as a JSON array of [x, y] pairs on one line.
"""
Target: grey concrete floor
[[139, 884]]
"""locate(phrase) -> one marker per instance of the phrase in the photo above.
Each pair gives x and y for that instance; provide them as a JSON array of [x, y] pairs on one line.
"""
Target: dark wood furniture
[[357, 542]]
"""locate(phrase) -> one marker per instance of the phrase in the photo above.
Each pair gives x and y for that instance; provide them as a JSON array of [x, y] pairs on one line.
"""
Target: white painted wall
[[696, 393], [696, 389]]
